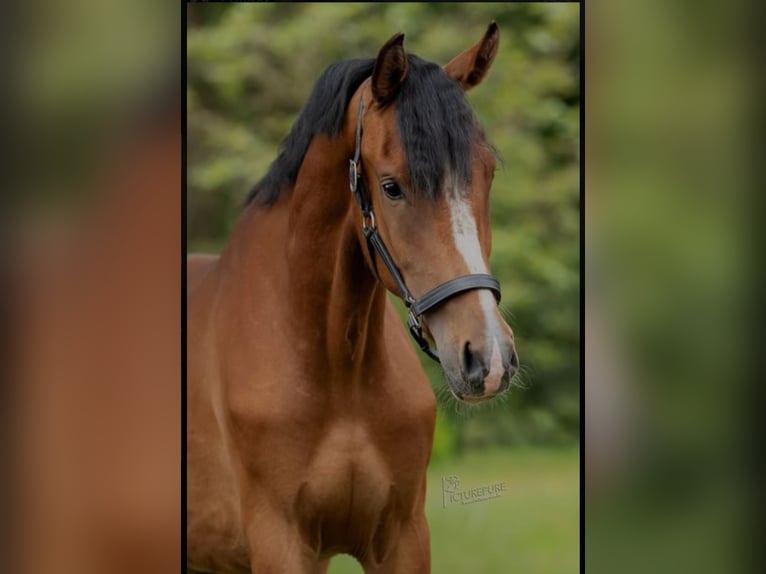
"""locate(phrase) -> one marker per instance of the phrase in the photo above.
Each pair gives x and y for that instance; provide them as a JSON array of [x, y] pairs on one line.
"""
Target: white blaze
[[466, 237]]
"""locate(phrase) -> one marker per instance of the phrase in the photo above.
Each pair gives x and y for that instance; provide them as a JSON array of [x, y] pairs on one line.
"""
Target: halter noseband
[[434, 297]]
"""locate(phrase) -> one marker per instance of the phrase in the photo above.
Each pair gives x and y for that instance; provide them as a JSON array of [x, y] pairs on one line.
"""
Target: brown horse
[[310, 419]]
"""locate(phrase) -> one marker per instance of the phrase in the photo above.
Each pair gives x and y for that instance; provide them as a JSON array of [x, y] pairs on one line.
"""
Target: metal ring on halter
[[353, 175], [368, 216]]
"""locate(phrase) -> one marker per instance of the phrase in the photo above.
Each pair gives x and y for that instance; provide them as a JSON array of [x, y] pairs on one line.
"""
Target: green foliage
[[251, 67]]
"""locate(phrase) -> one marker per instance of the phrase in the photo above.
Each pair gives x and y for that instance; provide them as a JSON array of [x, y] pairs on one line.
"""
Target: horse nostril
[[514, 362], [473, 367]]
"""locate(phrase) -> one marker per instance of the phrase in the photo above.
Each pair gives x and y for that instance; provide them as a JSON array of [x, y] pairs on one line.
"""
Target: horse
[[310, 420]]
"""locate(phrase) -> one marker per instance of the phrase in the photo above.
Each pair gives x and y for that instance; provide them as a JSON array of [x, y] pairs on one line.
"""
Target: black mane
[[436, 126]]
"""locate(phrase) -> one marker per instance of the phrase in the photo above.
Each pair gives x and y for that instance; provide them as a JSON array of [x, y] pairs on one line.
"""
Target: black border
[[582, 285], [183, 286]]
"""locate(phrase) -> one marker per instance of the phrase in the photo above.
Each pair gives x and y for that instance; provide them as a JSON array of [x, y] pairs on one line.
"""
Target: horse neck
[[332, 304]]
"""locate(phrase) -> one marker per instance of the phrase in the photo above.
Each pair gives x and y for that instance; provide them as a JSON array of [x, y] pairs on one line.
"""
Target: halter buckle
[[368, 216], [353, 175], [413, 322]]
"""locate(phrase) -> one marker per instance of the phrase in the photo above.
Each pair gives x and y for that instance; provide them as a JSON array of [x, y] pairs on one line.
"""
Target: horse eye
[[392, 190]]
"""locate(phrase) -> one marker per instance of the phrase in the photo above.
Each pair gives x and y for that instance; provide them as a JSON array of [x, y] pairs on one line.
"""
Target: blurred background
[[670, 282], [91, 278], [91, 481], [250, 69]]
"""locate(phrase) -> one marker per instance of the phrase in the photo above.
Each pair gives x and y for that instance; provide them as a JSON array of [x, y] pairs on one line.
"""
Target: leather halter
[[434, 297]]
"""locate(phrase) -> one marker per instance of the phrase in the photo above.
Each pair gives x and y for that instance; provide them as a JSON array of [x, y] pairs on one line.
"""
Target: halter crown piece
[[433, 298]]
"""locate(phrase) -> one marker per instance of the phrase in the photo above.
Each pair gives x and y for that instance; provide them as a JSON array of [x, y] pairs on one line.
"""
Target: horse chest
[[345, 466], [350, 490], [347, 470]]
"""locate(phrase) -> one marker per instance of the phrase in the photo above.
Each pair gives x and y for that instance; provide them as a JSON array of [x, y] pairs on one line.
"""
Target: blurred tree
[[251, 67]]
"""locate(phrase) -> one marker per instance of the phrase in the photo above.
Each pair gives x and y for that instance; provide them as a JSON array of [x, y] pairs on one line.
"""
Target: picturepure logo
[[453, 494]]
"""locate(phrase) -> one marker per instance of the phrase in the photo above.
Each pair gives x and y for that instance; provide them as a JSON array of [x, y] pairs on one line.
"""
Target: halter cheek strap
[[433, 298]]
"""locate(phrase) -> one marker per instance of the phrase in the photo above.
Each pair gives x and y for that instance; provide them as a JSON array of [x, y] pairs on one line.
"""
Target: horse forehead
[[384, 132], [455, 191]]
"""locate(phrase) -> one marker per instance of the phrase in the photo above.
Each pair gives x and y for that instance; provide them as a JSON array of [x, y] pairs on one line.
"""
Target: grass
[[532, 528]]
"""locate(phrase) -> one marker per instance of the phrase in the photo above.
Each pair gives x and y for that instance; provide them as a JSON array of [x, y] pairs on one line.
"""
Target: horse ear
[[390, 69], [470, 67]]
